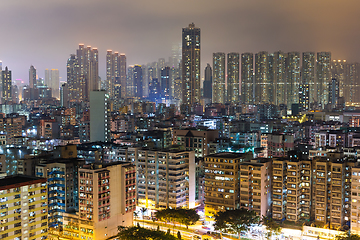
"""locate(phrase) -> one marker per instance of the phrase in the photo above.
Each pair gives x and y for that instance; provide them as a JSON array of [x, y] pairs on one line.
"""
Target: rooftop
[[18, 181], [226, 155]]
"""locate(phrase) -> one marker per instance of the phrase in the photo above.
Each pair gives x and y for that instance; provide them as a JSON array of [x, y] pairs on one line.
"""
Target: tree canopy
[[235, 221], [347, 236], [184, 216], [271, 225], [139, 233]]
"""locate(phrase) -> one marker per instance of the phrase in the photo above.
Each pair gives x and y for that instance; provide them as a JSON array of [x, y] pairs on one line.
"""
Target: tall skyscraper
[[263, 88], [323, 77], [55, 82], [73, 84], [340, 70], [292, 78], [354, 83], [32, 77], [208, 82], [34, 92], [112, 71], [130, 82], [88, 70], [52, 81], [270, 82], [191, 65], [138, 82], [165, 83], [161, 66], [176, 55], [83, 73], [145, 81], [174, 74], [6, 85], [233, 93], [333, 92], [247, 78], [154, 90], [218, 93], [279, 78], [308, 76], [123, 75], [99, 116], [304, 100], [64, 94], [177, 89]]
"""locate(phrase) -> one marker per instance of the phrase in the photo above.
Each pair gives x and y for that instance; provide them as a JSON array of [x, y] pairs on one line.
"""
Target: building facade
[[100, 125], [190, 65], [218, 93], [247, 78], [222, 185], [107, 199], [233, 85], [23, 208]]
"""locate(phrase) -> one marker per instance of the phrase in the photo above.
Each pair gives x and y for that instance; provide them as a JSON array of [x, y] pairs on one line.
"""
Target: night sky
[[44, 32]]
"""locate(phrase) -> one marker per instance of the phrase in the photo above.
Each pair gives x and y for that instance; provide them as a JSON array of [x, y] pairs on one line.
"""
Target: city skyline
[[241, 27]]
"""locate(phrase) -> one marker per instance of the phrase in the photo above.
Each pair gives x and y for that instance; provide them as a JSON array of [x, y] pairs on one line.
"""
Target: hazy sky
[[45, 32]]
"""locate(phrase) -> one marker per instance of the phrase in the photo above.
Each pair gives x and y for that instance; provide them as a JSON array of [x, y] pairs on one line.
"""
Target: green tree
[[184, 216], [163, 215], [235, 221], [139, 233], [272, 227], [347, 236], [187, 216]]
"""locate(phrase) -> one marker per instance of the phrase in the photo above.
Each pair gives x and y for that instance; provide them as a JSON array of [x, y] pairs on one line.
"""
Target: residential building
[[279, 74], [263, 87], [218, 90], [308, 76], [190, 65], [123, 77], [138, 81], [165, 85], [222, 185], [292, 189], [62, 178], [23, 208], [355, 200], [332, 190], [279, 144], [100, 127], [112, 71], [82, 73], [255, 186], [6, 85], [233, 85], [52, 81], [196, 140], [247, 78], [323, 77], [165, 178], [292, 82], [208, 82], [107, 199], [12, 125]]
